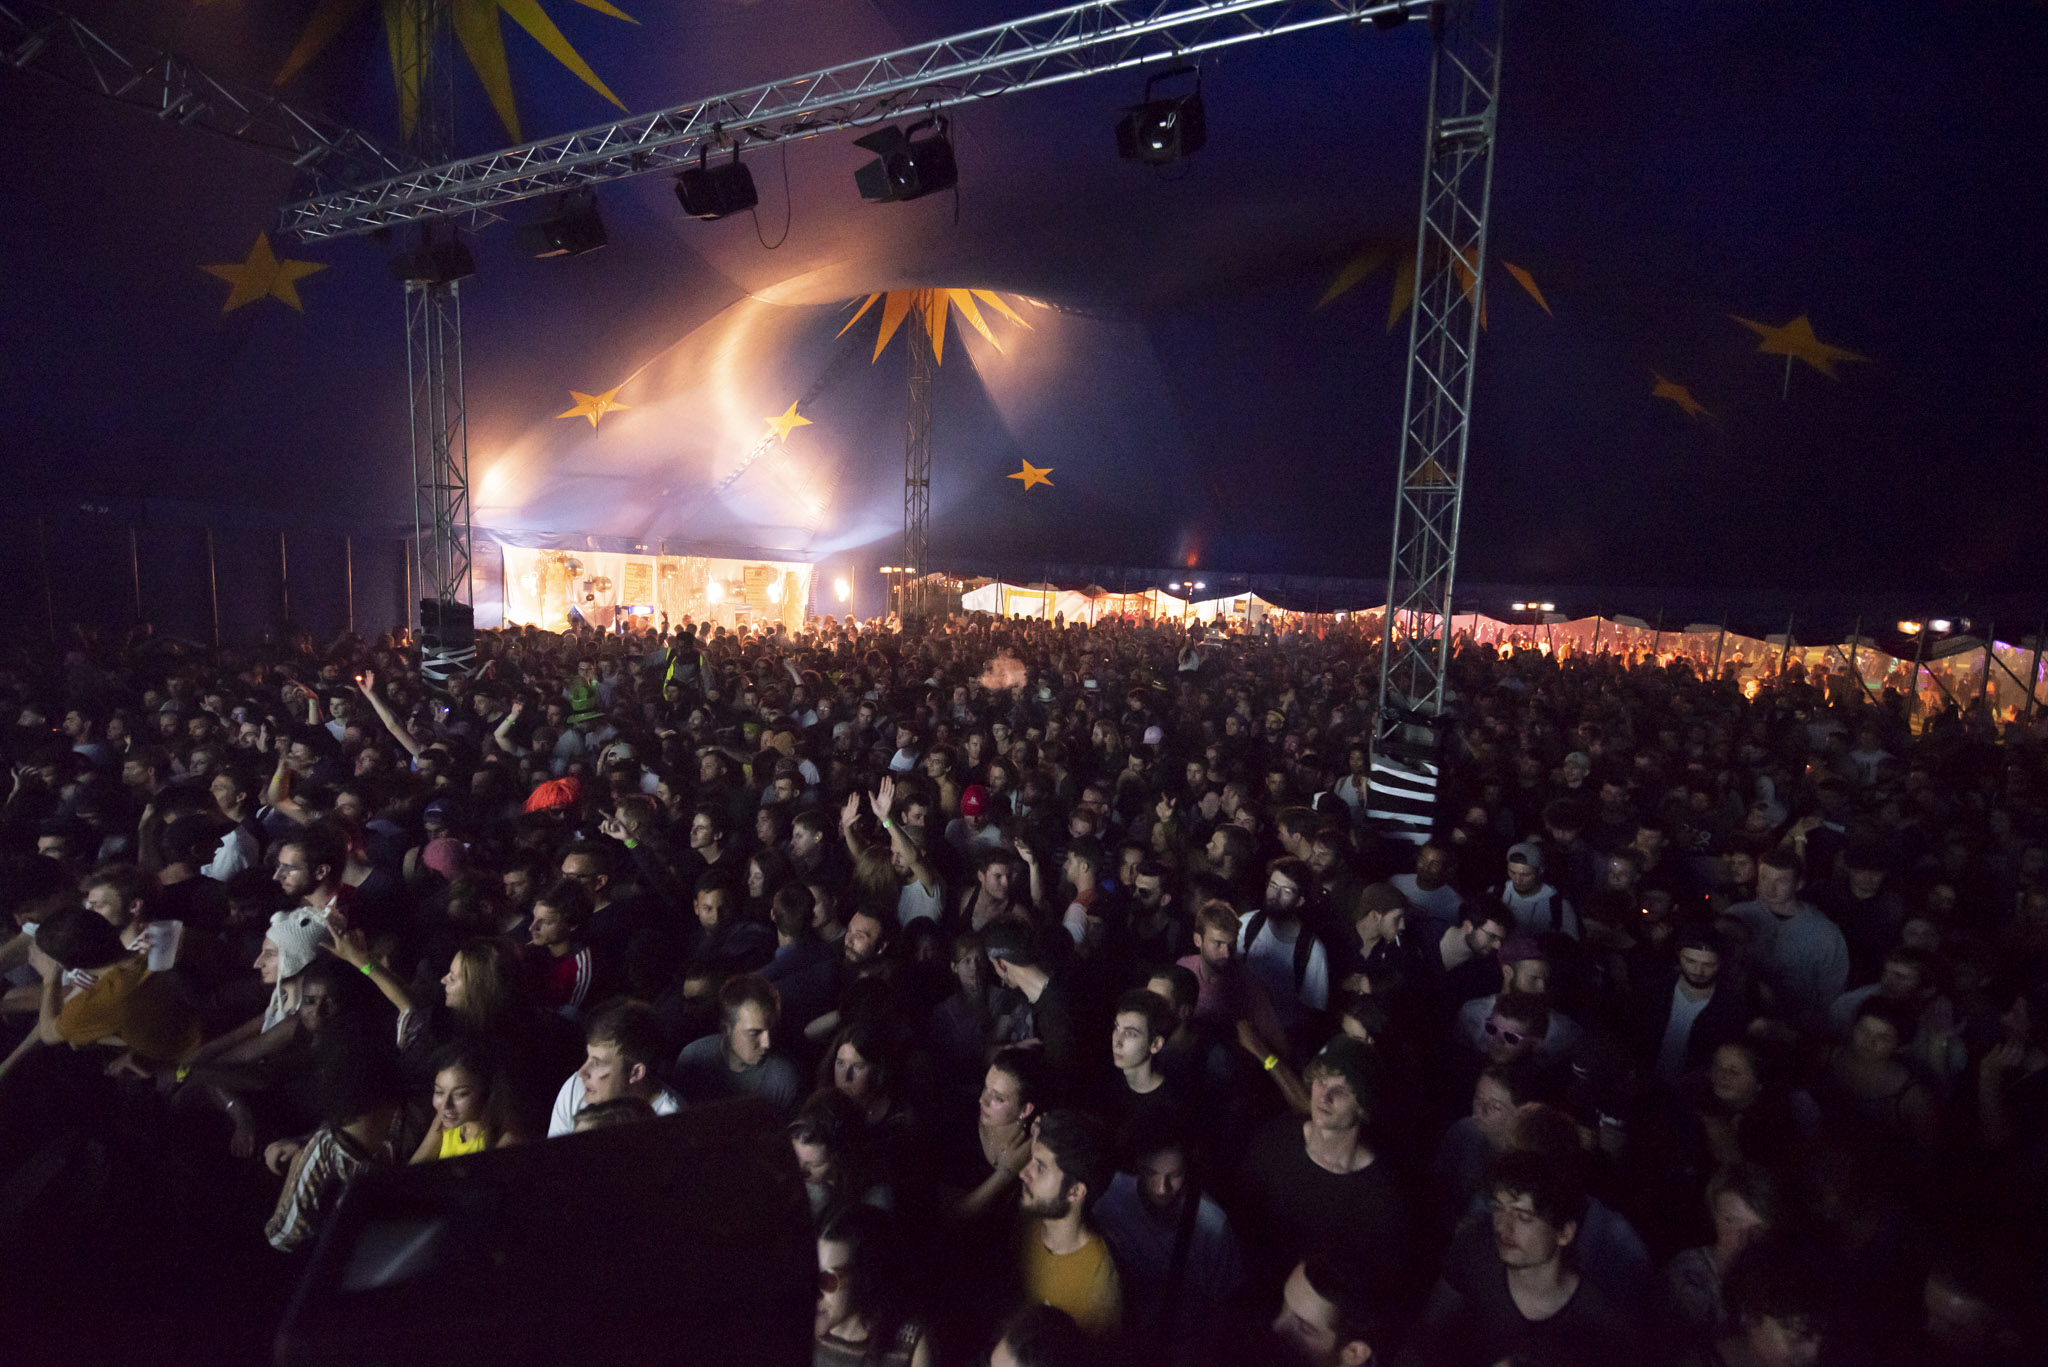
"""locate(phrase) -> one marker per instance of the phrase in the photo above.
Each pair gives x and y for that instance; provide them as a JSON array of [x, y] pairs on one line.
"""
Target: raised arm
[[367, 682], [353, 950], [883, 802]]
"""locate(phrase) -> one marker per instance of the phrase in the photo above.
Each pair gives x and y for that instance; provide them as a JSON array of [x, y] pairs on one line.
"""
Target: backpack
[[1304, 946]]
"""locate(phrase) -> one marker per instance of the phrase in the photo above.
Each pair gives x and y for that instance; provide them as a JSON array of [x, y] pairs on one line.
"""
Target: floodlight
[[1547, 607], [438, 259], [1198, 584], [841, 590], [709, 192], [906, 167], [570, 229], [1909, 628], [715, 591], [1939, 624], [1159, 132]]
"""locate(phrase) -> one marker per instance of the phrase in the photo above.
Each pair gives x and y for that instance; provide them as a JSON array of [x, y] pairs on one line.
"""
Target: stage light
[[570, 229], [440, 258], [1174, 587], [841, 590], [1940, 624], [1198, 584], [1159, 132], [710, 192], [1547, 607], [715, 591], [775, 590], [1909, 628], [906, 167]]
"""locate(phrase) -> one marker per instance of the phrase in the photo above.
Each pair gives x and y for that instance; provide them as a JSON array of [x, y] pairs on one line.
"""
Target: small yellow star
[[263, 276], [1796, 339], [787, 423], [1679, 395], [594, 406], [1032, 475]]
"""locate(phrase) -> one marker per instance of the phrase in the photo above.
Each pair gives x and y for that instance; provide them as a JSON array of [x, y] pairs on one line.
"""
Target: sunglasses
[[1513, 1037]]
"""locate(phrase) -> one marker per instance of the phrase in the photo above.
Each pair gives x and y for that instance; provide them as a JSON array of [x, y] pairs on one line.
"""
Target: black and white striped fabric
[[1401, 797]]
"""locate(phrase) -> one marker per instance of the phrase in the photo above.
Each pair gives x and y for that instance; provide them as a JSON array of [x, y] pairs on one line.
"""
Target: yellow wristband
[[1271, 1062]]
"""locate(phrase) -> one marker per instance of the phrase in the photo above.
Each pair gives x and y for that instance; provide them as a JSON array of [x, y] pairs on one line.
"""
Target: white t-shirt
[[1437, 904], [914, 901], [1272, 958], [568, 1101], [1678, 1032]]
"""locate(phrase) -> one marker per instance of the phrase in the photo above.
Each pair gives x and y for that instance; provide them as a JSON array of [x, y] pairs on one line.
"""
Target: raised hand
[[884, 800]]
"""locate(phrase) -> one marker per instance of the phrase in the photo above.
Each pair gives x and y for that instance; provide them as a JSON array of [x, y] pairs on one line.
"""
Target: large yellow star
[[1796, 339], [263, 276], [594, 406], [1679, 395], [787, 423], [1032, 475]]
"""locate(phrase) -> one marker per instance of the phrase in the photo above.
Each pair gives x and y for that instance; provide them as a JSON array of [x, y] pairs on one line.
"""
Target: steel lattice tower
[[917, 469], [1443, 343], [433, 350]]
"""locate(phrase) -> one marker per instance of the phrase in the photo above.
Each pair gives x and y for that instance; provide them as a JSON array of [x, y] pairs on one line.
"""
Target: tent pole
[[348, 579], [135, 570], [1657, 639], [1990, 635], [1785, 655], [1720, 643], [1919, 654], [284, 576], [213, 585], [2034, 670], [1599, 620]]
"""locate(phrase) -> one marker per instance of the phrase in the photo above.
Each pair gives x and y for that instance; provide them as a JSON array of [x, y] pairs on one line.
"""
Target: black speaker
[[710, 192], [681, 1240]]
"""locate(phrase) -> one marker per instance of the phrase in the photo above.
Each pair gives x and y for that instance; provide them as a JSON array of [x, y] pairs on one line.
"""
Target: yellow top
[[463, 1139], [1082, 1283]]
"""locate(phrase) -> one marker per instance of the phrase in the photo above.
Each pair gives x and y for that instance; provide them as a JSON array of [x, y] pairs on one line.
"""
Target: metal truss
[[917, 469], [433, 353], [440, 442], [45, 41], [1443, 343], [1047, 49]]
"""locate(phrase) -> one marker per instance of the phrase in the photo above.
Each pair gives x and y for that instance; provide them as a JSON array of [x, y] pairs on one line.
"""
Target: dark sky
[[1662, 166]]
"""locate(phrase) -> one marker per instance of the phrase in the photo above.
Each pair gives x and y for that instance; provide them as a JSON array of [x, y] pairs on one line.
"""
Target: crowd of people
[[1109, 1027]]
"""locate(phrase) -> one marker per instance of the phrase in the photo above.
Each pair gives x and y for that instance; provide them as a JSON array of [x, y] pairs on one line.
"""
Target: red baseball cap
[[973, 800]]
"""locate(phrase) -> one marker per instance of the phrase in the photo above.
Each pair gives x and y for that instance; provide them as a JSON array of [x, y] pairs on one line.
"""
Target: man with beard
[[1181, 1265], [1064, 1263], [1284, 954], [1684, 1015]]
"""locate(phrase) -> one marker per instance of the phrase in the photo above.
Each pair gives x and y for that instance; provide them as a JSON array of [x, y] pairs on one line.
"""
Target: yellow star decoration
[[477, 29], [1032, 475], [1680, 395], [263, 276], [930, 307], [595, 406], [786, 424], [1796, 340]]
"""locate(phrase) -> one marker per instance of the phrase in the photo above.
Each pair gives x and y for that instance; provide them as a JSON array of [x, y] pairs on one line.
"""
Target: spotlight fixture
[[841, 589], [570, 229], [710, 192], [437, 258], [906, 167], [1160, 132]]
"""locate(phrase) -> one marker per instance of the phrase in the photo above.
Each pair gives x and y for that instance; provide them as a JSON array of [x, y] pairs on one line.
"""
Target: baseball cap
[[1155, 735], [1579, 758], [973, 800], [1526, 852]]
